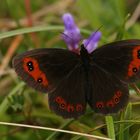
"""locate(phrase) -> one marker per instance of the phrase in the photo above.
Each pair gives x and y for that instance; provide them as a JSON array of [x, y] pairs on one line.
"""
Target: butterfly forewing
[[43, 69], [120, 58]]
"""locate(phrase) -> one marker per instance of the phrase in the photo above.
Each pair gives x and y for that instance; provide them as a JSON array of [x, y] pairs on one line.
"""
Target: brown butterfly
[[72, 80]]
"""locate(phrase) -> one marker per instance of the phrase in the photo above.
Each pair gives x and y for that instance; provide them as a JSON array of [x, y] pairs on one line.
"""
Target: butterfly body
[[72, 80]]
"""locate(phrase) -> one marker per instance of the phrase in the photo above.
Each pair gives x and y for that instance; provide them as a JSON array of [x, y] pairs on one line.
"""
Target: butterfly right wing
[[121, 58], [108, 94]]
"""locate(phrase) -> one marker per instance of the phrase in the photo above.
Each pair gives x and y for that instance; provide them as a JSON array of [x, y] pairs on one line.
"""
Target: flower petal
[[92, 42], [71, 34]]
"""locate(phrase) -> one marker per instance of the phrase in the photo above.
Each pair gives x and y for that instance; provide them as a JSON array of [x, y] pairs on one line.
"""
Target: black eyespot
[[30, 68], [79, 107], [62, 105], [116, 100], [58, 99], [39, 80], [135, 69], [138, 52], [138, 56], [30, 63], [100, 106]]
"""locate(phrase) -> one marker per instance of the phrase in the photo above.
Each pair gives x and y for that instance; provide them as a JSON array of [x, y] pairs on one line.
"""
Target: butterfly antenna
[[66, 35], [69, 36], [94, 34]]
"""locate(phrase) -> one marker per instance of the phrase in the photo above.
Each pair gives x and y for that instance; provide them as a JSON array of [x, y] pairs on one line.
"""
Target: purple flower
[[72, 36], [92, 42]]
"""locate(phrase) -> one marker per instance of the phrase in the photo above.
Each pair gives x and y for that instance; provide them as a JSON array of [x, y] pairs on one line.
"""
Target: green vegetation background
[[21, 104]]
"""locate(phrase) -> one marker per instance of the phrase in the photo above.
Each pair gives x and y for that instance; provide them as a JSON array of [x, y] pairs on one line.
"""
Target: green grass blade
[[110, 127], [54, 134], [36, 29], [139, 135], [127, 115], [29, 30], [5, 104], [121, 127], [121, 31]]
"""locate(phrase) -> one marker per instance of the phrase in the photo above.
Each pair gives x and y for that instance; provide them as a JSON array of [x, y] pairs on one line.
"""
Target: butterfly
[[74, 80]]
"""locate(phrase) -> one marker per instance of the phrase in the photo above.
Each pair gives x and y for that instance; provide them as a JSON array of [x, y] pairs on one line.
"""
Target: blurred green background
[[20, 104]]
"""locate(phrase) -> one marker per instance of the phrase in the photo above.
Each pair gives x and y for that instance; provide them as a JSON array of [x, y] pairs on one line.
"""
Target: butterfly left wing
[[108, 94], [43, 69], [69, 99], [120, 58]]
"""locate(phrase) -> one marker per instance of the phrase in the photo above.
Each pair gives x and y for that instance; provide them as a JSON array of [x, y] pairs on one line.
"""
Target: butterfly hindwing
[[68, 99], [108, 94], [120, 58], [43, 69]]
